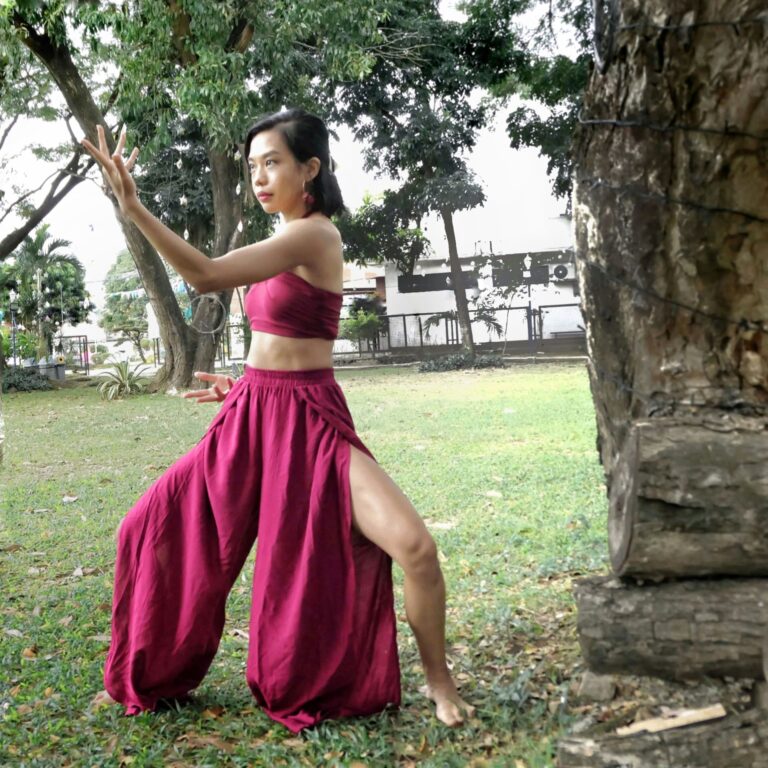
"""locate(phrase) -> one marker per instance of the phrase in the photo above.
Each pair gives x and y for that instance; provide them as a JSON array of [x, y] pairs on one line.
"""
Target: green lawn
[[502, 465]]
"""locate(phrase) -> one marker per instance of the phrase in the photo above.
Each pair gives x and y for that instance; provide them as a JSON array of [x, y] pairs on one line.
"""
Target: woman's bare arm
[[300, 242]]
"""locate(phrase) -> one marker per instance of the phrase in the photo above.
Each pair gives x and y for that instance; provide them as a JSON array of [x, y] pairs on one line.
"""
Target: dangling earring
[[308, 197]]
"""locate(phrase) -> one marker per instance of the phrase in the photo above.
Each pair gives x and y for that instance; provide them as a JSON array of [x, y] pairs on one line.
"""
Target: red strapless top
[[289, 305]]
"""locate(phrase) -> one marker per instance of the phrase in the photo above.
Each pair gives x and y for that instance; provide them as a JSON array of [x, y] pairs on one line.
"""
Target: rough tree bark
[[676, 630], [671, 215], [671, 225], [689, 497]]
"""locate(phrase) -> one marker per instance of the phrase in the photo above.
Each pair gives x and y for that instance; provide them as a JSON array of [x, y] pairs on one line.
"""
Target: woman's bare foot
[[102, 699], [449, 706]]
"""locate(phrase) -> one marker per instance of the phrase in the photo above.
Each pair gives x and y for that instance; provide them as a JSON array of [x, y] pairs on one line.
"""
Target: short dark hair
[[306, 137]]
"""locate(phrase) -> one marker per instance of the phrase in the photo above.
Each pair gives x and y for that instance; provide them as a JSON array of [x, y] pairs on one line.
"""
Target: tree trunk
[[228, 212], [691, 499], [671, 215], [457, 283], [676, 630], [671, 229], [737, 741]]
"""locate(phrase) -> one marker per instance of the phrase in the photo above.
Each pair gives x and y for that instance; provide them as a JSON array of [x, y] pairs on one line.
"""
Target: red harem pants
[[273, 466]]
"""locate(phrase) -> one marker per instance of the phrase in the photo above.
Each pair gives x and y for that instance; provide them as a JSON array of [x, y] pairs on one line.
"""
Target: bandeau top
[[289, 305]]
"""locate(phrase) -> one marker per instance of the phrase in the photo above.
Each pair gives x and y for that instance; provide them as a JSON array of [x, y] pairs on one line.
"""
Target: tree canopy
[[533, 66]]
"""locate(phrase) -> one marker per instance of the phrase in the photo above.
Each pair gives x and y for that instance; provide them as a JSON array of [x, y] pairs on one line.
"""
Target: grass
[[502, 465]]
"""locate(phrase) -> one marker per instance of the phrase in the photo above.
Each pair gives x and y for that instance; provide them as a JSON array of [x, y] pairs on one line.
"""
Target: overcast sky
[[520, 212]]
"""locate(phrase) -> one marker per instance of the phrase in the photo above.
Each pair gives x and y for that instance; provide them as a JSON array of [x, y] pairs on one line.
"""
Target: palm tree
[[34, 258]]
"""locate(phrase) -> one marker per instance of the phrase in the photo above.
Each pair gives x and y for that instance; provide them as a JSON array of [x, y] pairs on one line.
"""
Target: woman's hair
[[306, 137]]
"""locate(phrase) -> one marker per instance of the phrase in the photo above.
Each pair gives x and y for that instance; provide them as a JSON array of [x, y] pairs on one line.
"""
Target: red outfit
[[288, 305], [273, 466]]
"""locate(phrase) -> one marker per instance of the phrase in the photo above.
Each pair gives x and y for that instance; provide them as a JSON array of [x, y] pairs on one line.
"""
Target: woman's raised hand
[[115, 170], [221, 384]]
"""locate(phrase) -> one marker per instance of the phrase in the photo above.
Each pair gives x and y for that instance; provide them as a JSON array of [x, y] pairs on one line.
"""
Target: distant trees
[[50, 284], [125, 309]]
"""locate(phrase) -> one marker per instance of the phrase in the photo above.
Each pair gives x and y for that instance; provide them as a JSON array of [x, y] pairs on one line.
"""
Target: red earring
[[308, 197]]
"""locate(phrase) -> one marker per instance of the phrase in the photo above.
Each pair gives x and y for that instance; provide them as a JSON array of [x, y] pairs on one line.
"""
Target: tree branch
[[12, 241], [240, 37], [180, 25], [8, 130]]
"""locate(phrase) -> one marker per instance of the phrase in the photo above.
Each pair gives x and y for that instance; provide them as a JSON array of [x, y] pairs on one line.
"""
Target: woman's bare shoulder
[[324, 261], [318, 236]]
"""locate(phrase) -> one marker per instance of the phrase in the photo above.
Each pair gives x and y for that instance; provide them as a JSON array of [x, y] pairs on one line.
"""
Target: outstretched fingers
[[205, 376], [121, 142], [102, 154], [132, 159], [204, 396], [96, 153]]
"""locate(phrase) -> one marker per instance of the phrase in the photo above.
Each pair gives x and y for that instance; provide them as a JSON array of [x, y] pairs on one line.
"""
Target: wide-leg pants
[[272, 467]]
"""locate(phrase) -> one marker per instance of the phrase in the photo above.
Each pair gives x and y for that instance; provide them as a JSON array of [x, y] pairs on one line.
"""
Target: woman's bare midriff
[[285, 353]]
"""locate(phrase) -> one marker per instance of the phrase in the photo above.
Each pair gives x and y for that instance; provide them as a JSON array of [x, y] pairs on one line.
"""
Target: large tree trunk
[[228, 211], [690, 498], [671, 225], [671, 215], [738, 741], [677, 630], [457, 281]]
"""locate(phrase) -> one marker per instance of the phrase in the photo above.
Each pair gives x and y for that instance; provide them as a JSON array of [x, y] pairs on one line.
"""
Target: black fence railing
[[75, 351], [424, 333]]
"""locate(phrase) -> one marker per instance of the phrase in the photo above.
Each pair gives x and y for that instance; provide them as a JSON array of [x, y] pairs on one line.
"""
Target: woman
[[281, 464]]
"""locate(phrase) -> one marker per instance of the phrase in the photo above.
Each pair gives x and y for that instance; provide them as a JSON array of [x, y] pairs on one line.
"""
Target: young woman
[[280, 464]]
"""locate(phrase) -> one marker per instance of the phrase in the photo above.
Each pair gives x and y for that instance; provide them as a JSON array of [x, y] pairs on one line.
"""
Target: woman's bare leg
[[385, 516]]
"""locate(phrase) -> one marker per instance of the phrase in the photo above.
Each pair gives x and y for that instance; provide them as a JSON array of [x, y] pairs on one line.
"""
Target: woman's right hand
[[219, 389], [116, 171]]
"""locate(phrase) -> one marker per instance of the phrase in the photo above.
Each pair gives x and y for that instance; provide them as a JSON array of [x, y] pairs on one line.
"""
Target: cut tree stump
[[676, 630], [690, 499], [737, 741]]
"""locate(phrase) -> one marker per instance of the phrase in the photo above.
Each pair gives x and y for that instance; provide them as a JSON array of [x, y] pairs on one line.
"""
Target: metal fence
[[75, 350], [416, 334], [520, 323]]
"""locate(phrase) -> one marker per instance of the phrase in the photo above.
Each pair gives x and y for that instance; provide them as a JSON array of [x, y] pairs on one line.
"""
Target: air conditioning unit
[[562, 272]]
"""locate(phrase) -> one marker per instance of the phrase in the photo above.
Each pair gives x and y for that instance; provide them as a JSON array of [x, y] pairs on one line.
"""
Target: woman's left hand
[[221, 384]]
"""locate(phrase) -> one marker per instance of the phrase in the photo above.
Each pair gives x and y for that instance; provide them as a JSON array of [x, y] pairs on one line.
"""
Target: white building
[[545, 304]]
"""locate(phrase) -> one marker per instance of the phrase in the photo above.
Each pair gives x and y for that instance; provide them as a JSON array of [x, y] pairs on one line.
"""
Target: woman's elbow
[[205, 283], [202, 285]]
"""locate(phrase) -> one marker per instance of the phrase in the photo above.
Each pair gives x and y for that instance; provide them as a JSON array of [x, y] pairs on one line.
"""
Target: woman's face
[[277, 177]]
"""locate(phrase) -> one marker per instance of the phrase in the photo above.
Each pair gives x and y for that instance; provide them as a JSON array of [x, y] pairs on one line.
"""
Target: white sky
[[520, 212]]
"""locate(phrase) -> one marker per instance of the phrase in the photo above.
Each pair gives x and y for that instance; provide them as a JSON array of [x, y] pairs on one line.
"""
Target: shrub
[[121, 381], [460, 361], [26, 345], [24, 380], [360, 326]]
